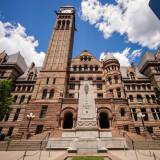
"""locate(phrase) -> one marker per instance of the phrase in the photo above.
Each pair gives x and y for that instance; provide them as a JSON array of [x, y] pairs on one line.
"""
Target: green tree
[[6, 98]]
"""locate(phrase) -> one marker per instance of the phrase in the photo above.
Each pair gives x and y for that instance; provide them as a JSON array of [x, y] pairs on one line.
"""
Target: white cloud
[[125, 57], [13, 38], [133, 18]]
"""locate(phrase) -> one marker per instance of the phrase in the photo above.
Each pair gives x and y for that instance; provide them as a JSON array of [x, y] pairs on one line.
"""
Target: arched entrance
[[68, 121], [104, 120]]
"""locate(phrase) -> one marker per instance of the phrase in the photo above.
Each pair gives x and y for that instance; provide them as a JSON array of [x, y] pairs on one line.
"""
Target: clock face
[[66, 11]]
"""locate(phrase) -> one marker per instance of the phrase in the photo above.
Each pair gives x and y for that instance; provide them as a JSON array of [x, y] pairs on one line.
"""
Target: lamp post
[[141, 116], [30, 117]]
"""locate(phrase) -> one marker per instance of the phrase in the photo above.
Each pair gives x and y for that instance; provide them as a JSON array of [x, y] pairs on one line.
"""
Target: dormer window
[[132, 76], [30, 77]]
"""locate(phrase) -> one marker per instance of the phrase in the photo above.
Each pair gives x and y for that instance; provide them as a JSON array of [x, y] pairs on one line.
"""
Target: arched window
[[132, 76], [85, 68], [44, 94], [68, 121], [85, 58], [96, 68], [63, 24], [29, 98], [51, 95], [68, 23], [58, 24], [122, 112], [131, 98], [74, 68], [80, 68], [110, 80], [22, 99], [91, 68], [153, 98], [116, 79], [148, 99], [104, 120], [118, 93], [139, 98]]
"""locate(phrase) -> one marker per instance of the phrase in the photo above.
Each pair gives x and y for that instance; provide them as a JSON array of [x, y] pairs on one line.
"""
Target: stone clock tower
[[51, 84]]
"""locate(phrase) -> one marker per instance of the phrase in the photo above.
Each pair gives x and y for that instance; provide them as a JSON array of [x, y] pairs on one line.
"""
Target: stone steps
[[22, 145]]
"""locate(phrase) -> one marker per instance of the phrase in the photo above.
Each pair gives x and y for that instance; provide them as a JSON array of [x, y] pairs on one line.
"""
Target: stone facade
[[52, 92]]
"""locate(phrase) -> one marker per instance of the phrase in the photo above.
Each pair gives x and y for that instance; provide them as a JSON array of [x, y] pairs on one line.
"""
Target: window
[[153, 98], [68, 23], [90, 78], [85, 68], [122, 112], [143, 110], [75, 68], [51, 95], [143, 87], [29, 98], [96, 68], [7, 116], [99, 95], [111, 91], [138, 87], [139, 98], [39, 129], [116, 79], [126, 128], [99, 78], [149, 87], [29, 88], [72, 78], [72, 86], [54, 81], [80, 68], [150, 129], [118, 93], [10, 131], [81, 78], [30, 76], [16, 114], [132, 76], [110, 80], [91, 68], [71, 95], [128, 87], [158, 112], [154, 113], [133, 87], [43, 111], [137, 130], [133, 110], [131, 98], [15, 98], [148, 99], [47, 80], [44, 94], [99, 86], [22, 99]]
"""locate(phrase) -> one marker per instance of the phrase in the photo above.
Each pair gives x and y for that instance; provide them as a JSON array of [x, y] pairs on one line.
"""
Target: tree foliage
[[6, 98]]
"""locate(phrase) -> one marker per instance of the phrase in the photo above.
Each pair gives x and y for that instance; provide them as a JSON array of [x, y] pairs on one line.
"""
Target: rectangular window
[[72, 86], [154, 113], [126, 128], [99, 95], [143, 110], [54, 81], [158, 112], [99, 86], [17, 114], [10, 131], [7, 116], [47, 80], [137, 130], [43, 111], [134, 114], [39, 129], [71, 95]]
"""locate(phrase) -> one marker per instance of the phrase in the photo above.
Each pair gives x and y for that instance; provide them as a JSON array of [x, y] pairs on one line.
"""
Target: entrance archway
[[68, 121], [104, 120]]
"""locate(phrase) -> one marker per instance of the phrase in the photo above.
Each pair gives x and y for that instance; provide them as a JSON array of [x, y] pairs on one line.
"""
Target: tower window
[[30, 77], [116, 79], [96, 68], [99, 95], [132, 76], [118, 93], [99, 86], [63, 24], [58, 24], [68, 23], [110, 80], [43, 111], [75, 68]]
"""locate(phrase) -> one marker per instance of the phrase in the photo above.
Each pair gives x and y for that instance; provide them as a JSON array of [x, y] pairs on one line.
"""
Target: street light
[[141, 116], [30, 117]]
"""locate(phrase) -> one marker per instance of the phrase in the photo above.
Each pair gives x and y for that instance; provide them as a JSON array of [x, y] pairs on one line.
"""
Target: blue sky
[[38, 17]]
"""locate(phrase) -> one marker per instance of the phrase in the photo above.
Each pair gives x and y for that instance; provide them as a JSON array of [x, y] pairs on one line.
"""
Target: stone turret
[[111, 69]]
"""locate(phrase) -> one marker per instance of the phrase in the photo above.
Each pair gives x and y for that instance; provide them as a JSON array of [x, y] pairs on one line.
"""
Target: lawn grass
[[87, 158]]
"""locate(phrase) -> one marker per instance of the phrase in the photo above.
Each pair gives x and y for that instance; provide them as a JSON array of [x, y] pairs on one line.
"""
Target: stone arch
[[68, 114], [104, 118]]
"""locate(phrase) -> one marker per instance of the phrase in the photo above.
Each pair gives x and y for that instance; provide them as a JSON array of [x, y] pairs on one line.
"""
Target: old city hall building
[[67, 94]]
